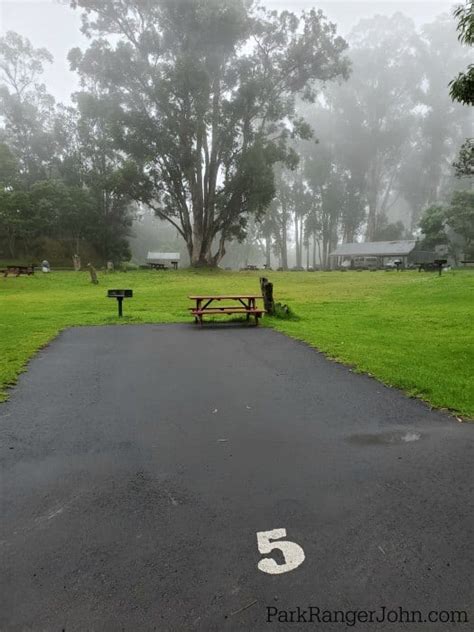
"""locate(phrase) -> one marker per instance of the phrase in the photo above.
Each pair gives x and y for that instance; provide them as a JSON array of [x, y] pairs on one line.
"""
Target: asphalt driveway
[[139, 463]]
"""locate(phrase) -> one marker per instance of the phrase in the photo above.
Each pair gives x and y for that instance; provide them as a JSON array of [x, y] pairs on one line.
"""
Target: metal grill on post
[[120, 295], [440, 263]]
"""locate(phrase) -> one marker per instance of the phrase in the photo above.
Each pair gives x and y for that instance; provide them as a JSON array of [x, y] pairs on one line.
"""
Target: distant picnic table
[[18, 270], [162, 266], [243, 304]]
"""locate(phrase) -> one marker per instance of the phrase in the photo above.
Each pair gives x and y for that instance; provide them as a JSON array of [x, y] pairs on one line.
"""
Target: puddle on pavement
[[386, 438]]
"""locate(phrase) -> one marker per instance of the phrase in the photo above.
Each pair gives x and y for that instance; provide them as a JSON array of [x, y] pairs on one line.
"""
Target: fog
[[52, 24], [387, 134]]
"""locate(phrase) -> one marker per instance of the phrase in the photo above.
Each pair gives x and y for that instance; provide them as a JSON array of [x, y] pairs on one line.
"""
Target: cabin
[[163, 260], [377, 254]]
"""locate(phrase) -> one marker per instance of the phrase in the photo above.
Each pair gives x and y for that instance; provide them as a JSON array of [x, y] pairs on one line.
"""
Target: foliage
[[432, 226], [283, 312], [388, 140], [326, 186], [55, 165], [202, 97], [389, 231], [464, 166], [460, 218], [439, 124], [26, 106], [375, 108], [446, 225], [410, 330], [462, 87]]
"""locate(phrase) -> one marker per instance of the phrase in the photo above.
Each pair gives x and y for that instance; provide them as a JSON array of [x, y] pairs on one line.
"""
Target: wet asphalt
[[140, 462]]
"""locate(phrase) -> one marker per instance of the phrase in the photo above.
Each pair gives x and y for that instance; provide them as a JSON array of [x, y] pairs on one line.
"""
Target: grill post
[[120, 295]]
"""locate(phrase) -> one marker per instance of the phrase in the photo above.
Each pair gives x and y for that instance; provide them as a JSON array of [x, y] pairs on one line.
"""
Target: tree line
[[387, 138], [232, 123]]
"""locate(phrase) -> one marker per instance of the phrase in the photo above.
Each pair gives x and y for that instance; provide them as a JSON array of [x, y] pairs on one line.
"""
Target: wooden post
[[93, 274], [267, 295]]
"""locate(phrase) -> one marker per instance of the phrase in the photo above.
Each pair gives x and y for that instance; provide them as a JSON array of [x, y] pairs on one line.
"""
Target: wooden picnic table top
[[223, 296], [20, 267]]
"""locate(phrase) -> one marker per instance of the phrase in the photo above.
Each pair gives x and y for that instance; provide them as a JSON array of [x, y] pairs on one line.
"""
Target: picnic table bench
[[243, 304], [17, 270]]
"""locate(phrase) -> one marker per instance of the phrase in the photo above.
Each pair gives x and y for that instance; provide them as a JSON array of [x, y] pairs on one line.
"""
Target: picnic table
[[243, 304], [162, 266], [18, 270]]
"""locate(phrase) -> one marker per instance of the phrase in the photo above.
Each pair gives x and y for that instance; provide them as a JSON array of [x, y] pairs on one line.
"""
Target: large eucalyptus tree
[[201, 93]]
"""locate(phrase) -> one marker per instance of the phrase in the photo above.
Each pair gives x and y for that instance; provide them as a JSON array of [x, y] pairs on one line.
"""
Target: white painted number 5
[[292, 552]]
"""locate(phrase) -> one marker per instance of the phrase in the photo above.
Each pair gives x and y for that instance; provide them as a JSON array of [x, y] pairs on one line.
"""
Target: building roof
[[375, 249], [162, 256]]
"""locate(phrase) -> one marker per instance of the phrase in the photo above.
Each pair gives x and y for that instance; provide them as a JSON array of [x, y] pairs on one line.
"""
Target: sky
[[53, 25]]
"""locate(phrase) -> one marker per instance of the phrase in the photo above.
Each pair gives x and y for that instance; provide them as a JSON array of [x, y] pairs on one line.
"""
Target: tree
[[460, 218], [8, 167], [302, 202], [375, 109], [326, 187], [312, 229], [440, 124], [279, 215], [389, 231], [202, 93], [462, 87], [392, 127], [108, 178], [432, 225], [13, 204], [69, 184], [27, 109], [14, 216], [464, 166], [452, 225]]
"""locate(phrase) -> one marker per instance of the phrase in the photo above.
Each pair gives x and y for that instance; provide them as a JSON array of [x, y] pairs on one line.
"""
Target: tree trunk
[[284, 248], [11, 244], [371, 218], [268, 251], [297, 243]]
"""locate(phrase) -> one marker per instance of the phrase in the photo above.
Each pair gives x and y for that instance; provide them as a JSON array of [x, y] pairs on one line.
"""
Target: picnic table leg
[[198, 306], [254, 306]]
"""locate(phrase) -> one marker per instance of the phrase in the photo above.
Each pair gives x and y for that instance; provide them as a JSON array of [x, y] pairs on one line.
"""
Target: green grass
[[410, 330]]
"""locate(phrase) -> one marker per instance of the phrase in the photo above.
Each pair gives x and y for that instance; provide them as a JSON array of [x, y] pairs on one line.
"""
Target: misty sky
[[55, 26]]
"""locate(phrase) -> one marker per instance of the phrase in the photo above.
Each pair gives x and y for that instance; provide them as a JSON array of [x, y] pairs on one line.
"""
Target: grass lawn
[[411, 330]]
